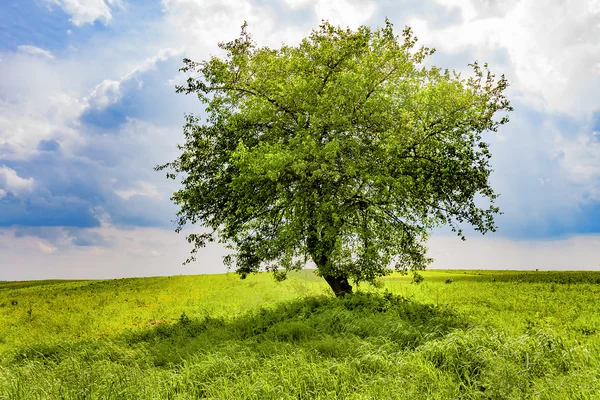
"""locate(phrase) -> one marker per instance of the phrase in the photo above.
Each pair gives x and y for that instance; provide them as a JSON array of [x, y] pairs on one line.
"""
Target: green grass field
[[457, 335]]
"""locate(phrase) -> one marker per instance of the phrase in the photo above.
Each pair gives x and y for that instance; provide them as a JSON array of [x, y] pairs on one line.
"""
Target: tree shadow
[[301, 348], [326, 326]]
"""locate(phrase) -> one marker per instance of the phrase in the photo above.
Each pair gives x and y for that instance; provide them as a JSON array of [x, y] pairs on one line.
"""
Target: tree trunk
[[339, 285], [319, 251]]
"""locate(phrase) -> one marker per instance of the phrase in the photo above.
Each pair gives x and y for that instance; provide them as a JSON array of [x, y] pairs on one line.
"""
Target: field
[[456, 335]]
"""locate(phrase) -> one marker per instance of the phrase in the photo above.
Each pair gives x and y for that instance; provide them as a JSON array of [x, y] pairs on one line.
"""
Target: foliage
[[344, 150], [488, 335]]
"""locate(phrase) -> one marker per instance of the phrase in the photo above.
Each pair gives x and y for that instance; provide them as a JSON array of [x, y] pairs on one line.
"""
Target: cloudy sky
[[88, 107]]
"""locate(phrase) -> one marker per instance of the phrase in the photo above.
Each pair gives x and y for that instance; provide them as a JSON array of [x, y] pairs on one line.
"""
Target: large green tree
[[345, 150]]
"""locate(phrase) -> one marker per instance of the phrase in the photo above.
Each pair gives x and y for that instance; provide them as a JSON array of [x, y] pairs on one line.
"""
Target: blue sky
[[88, 107]]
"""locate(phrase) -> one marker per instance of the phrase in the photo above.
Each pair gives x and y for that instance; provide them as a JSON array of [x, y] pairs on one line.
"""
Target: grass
[[457, 335]]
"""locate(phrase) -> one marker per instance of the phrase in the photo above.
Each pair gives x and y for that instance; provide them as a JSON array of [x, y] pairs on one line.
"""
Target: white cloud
[[110, 91], [552, 47], [297, 3], [36, 51], [13, 182], [44, 248], [105, 93], [579, 157], [43, 101], [39, 100], [550, 54], [143, 252], [200, 24], [87, 11], [140, 189], [154, 252], [149, 63], [551, 57], [574, 253], [344, 12], [134, 252], [23, 124], [536, 187]]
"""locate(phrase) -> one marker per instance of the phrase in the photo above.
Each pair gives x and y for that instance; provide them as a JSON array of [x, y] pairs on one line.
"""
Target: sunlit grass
[[459, 334]]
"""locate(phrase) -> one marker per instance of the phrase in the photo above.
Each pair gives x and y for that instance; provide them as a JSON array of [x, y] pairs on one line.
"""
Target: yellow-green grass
[[458, 334], [46, 311]]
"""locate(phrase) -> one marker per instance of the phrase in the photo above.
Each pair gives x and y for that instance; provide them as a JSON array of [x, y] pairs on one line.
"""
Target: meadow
[[456, 335]]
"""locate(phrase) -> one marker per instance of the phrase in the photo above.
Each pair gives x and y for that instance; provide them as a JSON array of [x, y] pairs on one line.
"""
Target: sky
[[88, 108]]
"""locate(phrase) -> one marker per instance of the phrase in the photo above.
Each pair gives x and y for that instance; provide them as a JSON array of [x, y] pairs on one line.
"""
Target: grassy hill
[[457, 335]]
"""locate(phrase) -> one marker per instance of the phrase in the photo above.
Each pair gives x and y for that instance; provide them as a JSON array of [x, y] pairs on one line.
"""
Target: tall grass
[[259, 340]]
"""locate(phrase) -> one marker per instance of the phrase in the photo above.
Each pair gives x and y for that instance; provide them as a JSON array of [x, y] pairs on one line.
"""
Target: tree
[[344, 150]]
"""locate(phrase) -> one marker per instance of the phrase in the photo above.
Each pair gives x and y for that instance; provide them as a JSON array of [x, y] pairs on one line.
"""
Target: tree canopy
[[345, 150]]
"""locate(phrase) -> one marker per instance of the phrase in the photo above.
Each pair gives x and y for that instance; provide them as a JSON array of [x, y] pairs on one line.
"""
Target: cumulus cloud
[[579, 157], [105, 93], [545, 159], [552, 47], [140, 189], [110, 91], [36, 51], [63, 238], [153, 252], [200, 25], [107, 175], [297, 3], [134, 252], [12, 182], [38, 101], [23, 125], [45, 139], [40, 105], [79, 135], [344, 12], [88, 11], [44, 248], [571, 253], [149, 63]]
